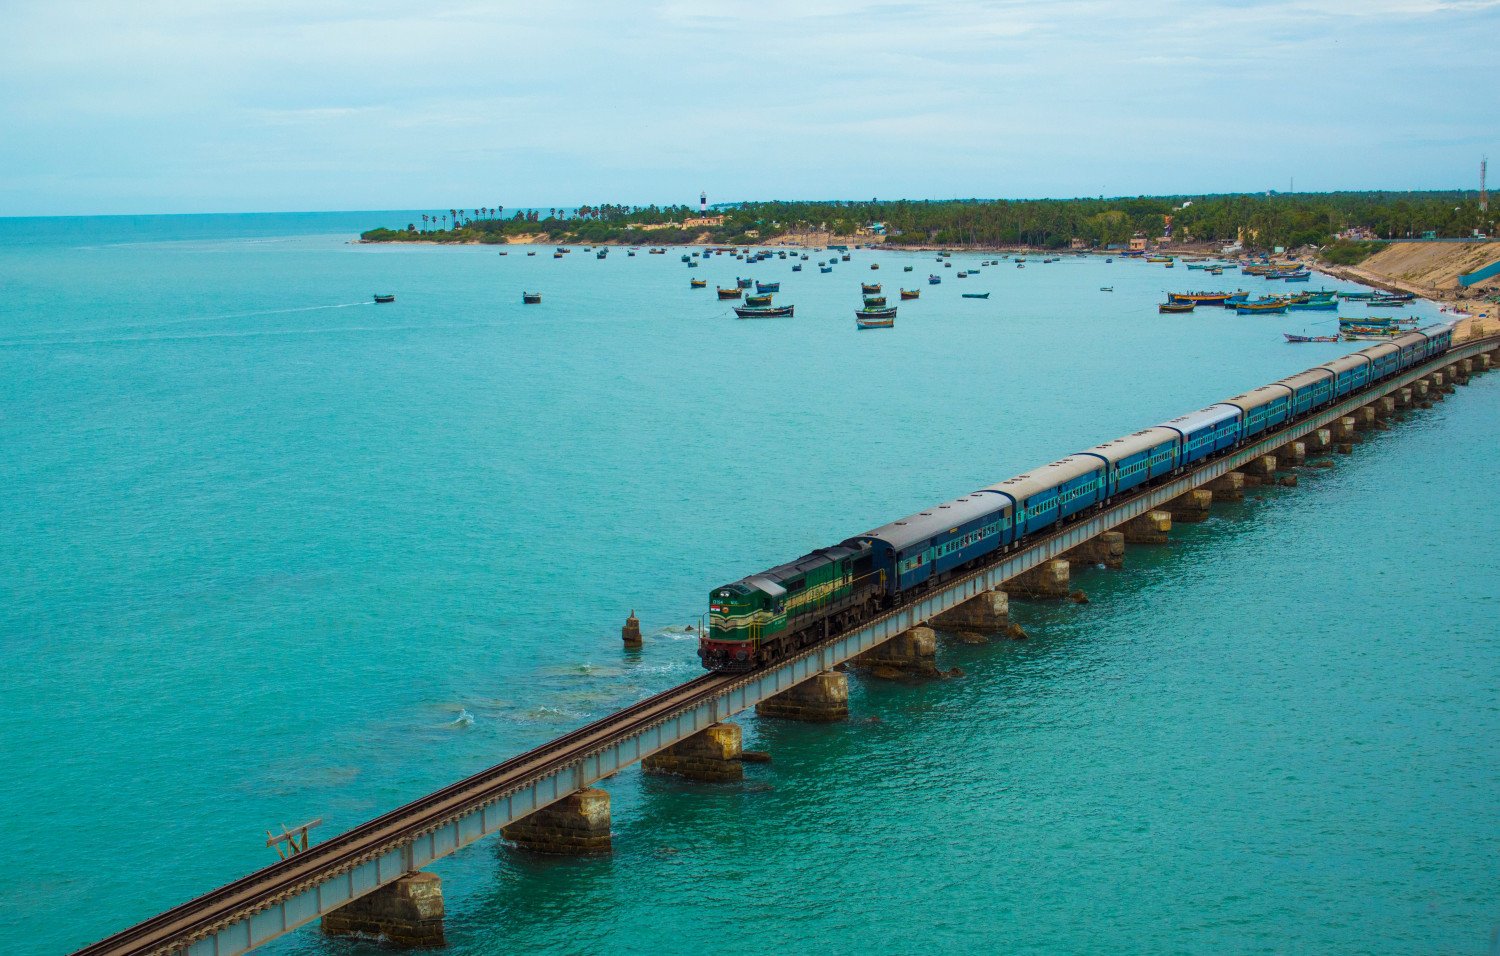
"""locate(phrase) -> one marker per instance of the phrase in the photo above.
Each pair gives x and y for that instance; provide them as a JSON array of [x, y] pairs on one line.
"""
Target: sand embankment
[[1431, 270]]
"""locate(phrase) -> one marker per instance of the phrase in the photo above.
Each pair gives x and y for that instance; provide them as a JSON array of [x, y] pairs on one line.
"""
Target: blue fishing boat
[[1315, 305], [797, 267], [743, 283], [825, 268], [768, 287], [934, 280]]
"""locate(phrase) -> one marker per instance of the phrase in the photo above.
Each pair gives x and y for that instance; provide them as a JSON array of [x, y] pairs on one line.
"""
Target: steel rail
[[174, 930]]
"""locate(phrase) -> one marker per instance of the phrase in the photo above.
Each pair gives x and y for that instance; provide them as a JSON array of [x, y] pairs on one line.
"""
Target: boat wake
[[464, 719]]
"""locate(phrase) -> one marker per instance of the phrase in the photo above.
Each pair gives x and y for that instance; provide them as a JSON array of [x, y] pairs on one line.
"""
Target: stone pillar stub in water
[[630, 634], [823, 698], [407, 913], [1228, 487]]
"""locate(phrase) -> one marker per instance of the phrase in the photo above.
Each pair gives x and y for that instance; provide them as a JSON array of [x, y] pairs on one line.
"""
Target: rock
[[1015, 632], [1322, 463], [954, 672], [755, 756], [970, 637], [886, 672], [688, 629], [1078, 597], [1289, 481], [1346, 448]]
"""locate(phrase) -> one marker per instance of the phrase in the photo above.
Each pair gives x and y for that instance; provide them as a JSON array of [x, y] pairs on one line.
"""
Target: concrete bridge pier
[[407, 913], [1421, 391], [1050, 579], [1149, 528], [1292, 454], [1438, 384], [1364, 418], [1403, 398], [1385, 406], [1465, 370], [711, 755], [576, 825], [979, 617], [1192, 507], [911, 653], [822, 699], [1107, 549], [1484, 362]]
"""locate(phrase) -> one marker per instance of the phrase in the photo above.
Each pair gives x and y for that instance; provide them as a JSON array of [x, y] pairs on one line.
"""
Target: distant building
[[1078, 244], [704, 221], [878, 228], [1138, 244]]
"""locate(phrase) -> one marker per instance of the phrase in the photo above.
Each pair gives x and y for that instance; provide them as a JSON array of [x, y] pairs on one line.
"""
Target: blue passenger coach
[[933, 542], [1350, 372], [1137, 458], [1206, 431], [1264, 408], [1053, 492], [1310, 389]]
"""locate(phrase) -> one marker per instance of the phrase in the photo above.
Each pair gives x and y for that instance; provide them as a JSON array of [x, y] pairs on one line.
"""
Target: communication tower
[[1484, 197]]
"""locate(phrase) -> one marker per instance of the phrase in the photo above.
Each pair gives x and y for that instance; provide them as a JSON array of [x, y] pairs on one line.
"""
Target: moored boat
[[825, 268], [698, 283], [768, 287], [734, 293], [764, 312], [976, 295], [531, 298], [1174, 307], [1262, 307], [875, 318], [911, 293], [869, 287], [385, 297], [754, 300], [1310, 338], [1315, 305], [934, 280], [1197, 298], [743, 283], [874, 301]]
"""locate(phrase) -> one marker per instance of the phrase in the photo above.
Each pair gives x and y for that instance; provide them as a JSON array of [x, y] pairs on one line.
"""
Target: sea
[[271, 553]]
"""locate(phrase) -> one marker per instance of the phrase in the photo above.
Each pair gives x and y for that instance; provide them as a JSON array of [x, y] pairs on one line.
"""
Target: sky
[[281, 105]]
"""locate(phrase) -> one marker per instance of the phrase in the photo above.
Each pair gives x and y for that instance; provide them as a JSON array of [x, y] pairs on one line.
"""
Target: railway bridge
[[370, 878]]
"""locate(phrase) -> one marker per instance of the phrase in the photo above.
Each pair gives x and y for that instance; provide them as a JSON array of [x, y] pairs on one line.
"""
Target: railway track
[[171, 931], [166, 932]]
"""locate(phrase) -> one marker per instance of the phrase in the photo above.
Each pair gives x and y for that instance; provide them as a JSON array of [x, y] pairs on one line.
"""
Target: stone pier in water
[[1149, 528], [576, 825], [1107, 549], [407, 913], [912, 653], [1228, 487], [1192, 506], [1050, 579], [822, 699], [712, 754], [978, 618]]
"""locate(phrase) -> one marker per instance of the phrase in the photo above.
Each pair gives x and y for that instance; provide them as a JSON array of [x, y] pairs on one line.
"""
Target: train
[[766, 617]]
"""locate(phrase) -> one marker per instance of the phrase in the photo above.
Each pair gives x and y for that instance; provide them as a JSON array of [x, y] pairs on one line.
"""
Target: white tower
[[703, 203]]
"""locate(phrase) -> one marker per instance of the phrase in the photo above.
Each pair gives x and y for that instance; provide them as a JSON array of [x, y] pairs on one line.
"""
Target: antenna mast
[[1484, 196]]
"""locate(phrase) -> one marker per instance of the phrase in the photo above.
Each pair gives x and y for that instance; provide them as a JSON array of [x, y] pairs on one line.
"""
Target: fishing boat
[[875, 318], [976, 295], [1235, 298], [907, 269], [628, 252], [874, 265], [691, 265], [1386, 303], [743, 283], [963, 275], [869, 287], [934, 280], [1369, 320], [825, 268], [604, 252], [1315, 305], [1107, 261], [385, 297], [557, 255], [911, 293], [531, 253], [1197, 298], [686, 258], [845, 257], [874, 301], [1176, 307], [758, 300], [1106, 288], [698, 283], [797, 267], [1162, 259], [1296, 277], [734, 293], [531, 298], [764, 312], [505, 253], [768, 287], [1310, 338], [1262, 307]]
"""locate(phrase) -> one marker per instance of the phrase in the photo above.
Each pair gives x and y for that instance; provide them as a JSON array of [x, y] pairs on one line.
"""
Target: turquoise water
[[271, 552]]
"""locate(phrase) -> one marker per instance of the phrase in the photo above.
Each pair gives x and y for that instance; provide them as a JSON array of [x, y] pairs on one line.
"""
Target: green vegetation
[[1259, 221], [1347, 253]]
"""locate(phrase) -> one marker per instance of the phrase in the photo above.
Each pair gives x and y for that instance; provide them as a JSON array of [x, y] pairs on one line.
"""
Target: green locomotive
[[767, 616]]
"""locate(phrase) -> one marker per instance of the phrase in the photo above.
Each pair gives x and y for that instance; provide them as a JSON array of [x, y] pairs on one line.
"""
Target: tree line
[[1260, 221]]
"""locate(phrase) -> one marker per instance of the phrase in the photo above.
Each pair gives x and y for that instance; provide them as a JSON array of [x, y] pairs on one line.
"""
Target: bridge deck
[[279, 898]]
